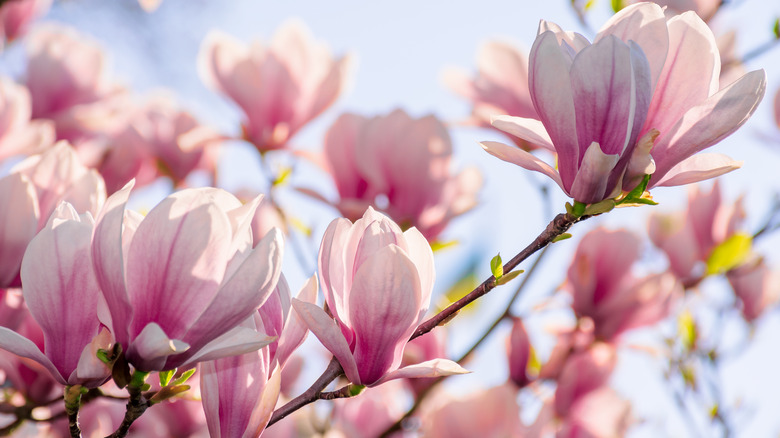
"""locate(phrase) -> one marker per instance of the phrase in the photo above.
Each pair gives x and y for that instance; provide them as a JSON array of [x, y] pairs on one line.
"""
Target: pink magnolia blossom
[[605, 290], [179, 281], [519, 352], [18, 135], [160, 139], [703, 8], [584, 372], [280, 87], [642, 99], [240, 392], [601, 413], [35, 187], [756, 286], [500, 86], [401, 166], [592, 100], [67, 79], [60, 291], [16, 16], [689, 238], [370, 414], [377, 282], [492, 413]]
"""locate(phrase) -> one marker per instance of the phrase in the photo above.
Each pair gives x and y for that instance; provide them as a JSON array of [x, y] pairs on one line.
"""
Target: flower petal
[[530, 130], [697, 168], [329, 334], [431, 368], [590, 185], [515, 155]]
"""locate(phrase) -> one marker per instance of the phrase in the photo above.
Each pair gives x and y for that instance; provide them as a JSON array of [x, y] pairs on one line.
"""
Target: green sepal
[[497, 266], [184, 377], [604, 206], [508, 277], [102, 355], [637, 192], [138, 379], [560, 237], [355, 389], [578, 209], [165, 376]]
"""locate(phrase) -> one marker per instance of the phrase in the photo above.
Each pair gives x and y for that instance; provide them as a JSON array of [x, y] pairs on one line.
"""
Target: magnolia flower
[[16, 16], [703, 8], [60, 291], [160, 139], [240, 392], [519, 352], [500, 87], [401, 166], [35, 187], [377, 282], [605, 290], [18, 135], [688, 239], [68, 83], [756, 286], [642, 99], [179, 281], [280, 87]]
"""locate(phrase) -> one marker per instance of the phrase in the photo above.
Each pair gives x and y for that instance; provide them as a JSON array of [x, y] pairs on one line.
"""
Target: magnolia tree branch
[[505, 314], [558, 226]]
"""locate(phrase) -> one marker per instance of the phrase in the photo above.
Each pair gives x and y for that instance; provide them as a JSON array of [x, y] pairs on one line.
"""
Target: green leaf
[[617, 5], [438, 245], [687, 331], [497, 266], [729, 254], [589, 4], [283, 176], [184, 377], [165, 377], [560, 237], [508, 277], [776, 28]]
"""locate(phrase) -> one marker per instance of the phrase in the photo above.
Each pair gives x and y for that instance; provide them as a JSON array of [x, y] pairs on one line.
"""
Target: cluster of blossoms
[[96, 296]]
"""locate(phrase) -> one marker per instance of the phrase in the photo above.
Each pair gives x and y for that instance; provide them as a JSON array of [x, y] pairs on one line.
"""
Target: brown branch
[[312, 394], [559, 225]]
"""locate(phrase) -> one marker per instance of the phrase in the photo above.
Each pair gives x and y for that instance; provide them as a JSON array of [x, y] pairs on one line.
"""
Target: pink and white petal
[[187, 232], [219, 53], [515, 155], [151, 348], [237, 341], [604, 91], [329, 334], [332, 266], [91, 371], [530, 130], [23, 347], [697, 168], [242, 294], [295, 330], [690, 75], [590, 184], [56, 264], [430, 368], [422, 256], [709, 122], [550, 85], [108, 261], [645, 24], [18, 225], [574, 40], [384, 308]]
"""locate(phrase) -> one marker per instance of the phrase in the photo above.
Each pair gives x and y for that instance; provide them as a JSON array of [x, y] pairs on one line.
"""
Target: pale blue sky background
[[401, 48]]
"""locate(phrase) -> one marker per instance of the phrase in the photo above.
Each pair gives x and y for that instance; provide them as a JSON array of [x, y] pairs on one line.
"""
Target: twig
[[312, 394]]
